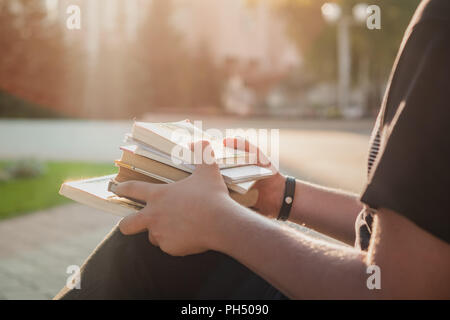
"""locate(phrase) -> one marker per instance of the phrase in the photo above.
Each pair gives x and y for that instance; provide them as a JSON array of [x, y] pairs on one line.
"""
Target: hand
[[179, 216], [271, 189]]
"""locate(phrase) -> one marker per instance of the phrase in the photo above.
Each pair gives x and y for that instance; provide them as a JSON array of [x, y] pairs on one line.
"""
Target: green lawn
[[29, 194]]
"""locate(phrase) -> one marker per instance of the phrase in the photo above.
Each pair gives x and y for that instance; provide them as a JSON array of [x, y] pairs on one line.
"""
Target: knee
[[132, 244]]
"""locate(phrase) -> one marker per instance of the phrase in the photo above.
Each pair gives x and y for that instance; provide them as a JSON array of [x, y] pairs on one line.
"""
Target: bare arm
[[329, 211], [299, 266], [413, 263]]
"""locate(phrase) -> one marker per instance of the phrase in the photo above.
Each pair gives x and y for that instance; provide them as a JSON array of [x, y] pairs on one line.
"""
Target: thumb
[[133, 223], [136, 190]]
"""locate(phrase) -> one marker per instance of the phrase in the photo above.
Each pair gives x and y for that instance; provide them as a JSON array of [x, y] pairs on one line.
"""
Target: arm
[[329, 211], [326, 210], [413, 263], [299, 266]]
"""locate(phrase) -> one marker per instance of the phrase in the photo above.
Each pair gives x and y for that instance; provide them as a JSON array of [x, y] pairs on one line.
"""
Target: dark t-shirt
[[409, 161]]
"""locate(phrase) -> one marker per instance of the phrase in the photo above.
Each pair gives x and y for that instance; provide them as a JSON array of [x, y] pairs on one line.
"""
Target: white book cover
[[182, 133], [94, 193]]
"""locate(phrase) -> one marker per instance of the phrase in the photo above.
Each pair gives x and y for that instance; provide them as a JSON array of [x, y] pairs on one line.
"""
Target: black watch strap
[[288, 199]]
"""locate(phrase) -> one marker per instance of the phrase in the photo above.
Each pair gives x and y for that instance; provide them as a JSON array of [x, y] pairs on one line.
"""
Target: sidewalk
[[36, 249]]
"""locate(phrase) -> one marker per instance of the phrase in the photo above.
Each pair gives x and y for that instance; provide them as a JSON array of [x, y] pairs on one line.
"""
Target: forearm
[[328, 211], [300, 267]]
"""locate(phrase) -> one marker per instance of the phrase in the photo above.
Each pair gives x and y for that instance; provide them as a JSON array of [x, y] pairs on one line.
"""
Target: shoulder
[[433, 11]]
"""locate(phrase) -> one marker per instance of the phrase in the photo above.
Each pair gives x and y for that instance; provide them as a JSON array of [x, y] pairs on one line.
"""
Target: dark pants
[[130, 267]]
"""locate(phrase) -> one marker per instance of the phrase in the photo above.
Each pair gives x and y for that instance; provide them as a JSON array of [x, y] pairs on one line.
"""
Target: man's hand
[[270, 190], [179, 216]]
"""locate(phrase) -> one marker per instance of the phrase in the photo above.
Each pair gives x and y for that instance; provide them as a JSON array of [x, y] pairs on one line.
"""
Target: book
[[231, 174], [150, 159], [239, 179], [94, 192], [173, 138], [247, 199], [130, 158], [241, 188], [144, 150]]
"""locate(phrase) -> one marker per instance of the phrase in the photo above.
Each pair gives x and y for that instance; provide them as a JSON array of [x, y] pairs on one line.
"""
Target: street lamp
[[333, 13], [360, 12]]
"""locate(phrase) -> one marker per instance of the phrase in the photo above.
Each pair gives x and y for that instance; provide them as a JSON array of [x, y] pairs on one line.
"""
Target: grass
[[20, 196]]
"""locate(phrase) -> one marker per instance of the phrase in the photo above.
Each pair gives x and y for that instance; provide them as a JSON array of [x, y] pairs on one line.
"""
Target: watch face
[[288, 200]]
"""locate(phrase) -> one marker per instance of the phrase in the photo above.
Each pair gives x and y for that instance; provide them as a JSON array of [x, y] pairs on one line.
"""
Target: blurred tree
[[32, 63], [207, 78], [168, 73], [160, 53]]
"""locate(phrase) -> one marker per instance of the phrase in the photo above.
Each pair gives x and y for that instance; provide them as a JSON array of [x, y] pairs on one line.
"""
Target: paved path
[[36, 249]]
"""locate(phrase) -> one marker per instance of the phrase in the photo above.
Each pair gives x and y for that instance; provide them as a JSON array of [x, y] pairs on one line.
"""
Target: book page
[[98, 187], [184, 132]]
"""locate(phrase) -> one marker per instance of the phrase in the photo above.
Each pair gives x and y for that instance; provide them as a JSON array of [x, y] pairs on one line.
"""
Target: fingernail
[[112, 186]]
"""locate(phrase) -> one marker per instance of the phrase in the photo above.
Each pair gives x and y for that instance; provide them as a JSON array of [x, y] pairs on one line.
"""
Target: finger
[[152, 239], [137, 190], [254, 152], [134, 223], [203, 154], [237, 143]]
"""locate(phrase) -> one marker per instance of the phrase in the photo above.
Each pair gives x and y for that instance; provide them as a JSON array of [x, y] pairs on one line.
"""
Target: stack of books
[[160, 153]]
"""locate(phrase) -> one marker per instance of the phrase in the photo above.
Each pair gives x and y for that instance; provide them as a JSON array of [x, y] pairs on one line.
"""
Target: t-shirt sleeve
[[411, 174]]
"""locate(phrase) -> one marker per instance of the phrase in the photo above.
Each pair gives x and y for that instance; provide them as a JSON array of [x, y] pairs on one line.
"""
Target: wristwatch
[[288, 199]]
